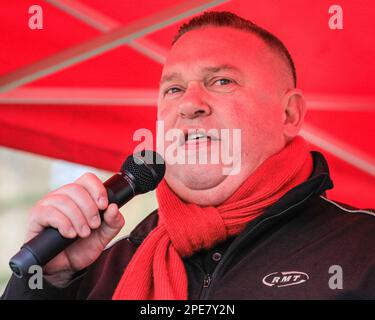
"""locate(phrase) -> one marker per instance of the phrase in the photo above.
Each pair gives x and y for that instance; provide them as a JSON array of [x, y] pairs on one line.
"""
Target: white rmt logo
[[285, 279]]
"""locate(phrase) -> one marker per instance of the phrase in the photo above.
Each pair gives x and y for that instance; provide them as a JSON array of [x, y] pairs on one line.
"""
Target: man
[[267, 232]]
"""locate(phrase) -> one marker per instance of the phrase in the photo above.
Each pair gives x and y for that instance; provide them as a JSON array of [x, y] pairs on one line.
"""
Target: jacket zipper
[[206, 289], [207, 280]]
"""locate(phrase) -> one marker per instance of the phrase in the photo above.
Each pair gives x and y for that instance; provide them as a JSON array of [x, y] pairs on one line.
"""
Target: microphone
[[140, 173]]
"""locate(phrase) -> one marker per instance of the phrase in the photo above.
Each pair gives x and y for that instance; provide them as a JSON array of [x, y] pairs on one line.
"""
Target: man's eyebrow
[[222, 67], [215, 69], [170, 77]]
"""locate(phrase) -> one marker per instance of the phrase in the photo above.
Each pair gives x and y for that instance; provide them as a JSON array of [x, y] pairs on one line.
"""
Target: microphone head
[[146, 169]]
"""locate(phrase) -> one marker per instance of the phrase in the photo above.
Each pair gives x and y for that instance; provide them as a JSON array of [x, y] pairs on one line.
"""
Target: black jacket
[[302, 247]]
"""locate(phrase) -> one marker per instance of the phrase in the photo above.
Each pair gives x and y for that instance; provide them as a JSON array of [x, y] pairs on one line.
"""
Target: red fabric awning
[[65, 94]]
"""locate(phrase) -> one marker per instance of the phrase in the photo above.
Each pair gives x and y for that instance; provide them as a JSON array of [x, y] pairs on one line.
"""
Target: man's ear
[[294, 106]]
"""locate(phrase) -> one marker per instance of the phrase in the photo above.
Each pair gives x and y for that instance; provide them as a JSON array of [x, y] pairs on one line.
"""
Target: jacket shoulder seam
[[348, 210]]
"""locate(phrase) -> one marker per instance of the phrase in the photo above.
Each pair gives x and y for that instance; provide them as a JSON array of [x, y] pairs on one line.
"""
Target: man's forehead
[[213, 47], [212, 38]]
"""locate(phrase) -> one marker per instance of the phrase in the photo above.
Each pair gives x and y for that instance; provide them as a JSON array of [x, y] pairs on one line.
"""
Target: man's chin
[[197, 177]]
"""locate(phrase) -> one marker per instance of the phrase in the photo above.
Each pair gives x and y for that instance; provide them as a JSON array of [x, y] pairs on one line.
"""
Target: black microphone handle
[[49, 243]]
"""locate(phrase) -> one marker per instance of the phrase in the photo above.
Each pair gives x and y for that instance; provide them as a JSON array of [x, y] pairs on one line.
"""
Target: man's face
[[222, 78]]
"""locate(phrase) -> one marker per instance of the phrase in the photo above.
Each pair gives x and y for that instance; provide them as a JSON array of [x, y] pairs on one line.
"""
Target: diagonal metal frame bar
[[339, 149], [104, 43], [104, 24], [86, 14]]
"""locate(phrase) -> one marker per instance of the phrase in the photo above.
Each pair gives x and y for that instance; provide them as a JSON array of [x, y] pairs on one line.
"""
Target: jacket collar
[[318, 182], [321, 172]]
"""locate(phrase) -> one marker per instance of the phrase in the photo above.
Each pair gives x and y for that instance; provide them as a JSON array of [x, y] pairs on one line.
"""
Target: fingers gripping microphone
[[139, 174]]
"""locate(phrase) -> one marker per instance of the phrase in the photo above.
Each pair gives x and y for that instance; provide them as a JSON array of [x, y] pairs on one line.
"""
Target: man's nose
[[193, 104]]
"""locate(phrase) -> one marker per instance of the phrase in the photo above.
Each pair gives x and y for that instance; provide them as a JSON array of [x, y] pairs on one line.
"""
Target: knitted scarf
[[156, 271]]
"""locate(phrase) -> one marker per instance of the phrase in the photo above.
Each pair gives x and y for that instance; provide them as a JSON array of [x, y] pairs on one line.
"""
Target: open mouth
[[199, 137], [196, 136]]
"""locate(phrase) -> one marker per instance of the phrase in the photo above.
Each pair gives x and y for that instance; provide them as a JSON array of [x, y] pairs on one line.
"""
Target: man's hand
[[73, 209]]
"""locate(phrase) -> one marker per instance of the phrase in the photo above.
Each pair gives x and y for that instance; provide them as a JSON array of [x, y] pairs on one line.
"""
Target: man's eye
[[172, 90], [222, 82]]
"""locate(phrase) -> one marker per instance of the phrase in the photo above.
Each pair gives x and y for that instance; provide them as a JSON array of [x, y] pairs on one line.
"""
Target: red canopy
[[79, 88]]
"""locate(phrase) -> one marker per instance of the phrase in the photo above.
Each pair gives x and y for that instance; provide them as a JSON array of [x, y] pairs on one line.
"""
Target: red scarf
[[156, 270]]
